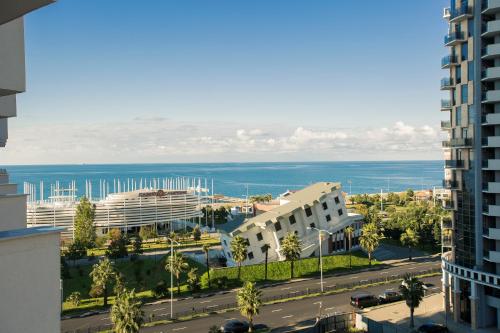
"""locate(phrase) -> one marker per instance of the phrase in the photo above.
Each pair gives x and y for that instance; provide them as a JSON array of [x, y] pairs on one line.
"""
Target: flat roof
[[12, 9], [301, 198], [28, 232]]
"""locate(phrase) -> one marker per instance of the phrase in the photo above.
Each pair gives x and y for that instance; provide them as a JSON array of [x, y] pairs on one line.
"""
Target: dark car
[[432, 328], [389, 296], [235, 326], [363, 300]]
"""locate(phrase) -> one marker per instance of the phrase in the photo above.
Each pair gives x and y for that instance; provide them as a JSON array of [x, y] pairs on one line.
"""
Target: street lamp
[[320, 252], [172, 276]]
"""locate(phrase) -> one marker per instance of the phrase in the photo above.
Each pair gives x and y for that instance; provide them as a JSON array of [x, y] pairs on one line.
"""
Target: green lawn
[[142, 275], [280, 271]]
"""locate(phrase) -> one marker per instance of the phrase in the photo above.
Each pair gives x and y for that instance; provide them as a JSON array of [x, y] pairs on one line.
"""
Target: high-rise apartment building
[[30, 293], [471, 242]]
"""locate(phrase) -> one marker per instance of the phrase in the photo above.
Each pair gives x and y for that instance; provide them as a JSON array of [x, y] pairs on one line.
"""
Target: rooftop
[[28, 232], [299, 199]]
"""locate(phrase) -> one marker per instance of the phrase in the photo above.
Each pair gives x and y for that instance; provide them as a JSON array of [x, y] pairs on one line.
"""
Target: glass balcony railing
[[448, 204], [457, 143], [454, 37], [450, 184], [446, 83], [445, 104], [454, 164], [448, 61], [446, 125], [463, 11]]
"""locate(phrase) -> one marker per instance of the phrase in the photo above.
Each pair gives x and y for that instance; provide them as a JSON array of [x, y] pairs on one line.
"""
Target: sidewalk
[[396, 317]]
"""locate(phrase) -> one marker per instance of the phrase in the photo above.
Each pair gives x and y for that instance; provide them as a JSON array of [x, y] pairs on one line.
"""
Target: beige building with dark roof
[[320, 205]]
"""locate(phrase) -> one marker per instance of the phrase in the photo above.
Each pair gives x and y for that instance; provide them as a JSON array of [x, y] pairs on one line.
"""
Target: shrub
[[160, 290]]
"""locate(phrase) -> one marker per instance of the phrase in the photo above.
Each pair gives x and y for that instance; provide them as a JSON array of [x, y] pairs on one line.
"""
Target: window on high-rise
[[470, 27], [308, 211], [465, 51], [458, 116], [458, 74], [470, 71], [471, 114], [465, 93]]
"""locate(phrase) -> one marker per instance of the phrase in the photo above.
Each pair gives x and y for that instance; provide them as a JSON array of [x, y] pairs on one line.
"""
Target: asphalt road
[[162, 310], [285, 316]]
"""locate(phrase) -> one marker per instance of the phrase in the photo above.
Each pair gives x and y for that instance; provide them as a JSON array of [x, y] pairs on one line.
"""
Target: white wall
[[29, 284], [12, 212]]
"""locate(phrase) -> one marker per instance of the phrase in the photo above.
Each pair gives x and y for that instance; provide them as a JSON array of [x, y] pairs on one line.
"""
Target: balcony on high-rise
[[491, 119], [493, 256], [492, 210], [491, 142], [458, 143], [491, 164], [491, 7], [492, 187], [454, 38], [493, 233], [446, 105], [454, 164], [491, 29], [447, 83], [490, 74], [451, 184], [460, 13], [491, 96], [448, 61], [491, 51], [448, 205], [445, 125]]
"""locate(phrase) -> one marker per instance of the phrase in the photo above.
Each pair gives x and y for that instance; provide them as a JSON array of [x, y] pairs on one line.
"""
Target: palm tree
[[249, 302], [126, 313], [239, 251], [369, 239], [102, 274], [413, 293], [291, 249], [206, 249], [349, 232], [409, 238], [266, 248], [176, 264]]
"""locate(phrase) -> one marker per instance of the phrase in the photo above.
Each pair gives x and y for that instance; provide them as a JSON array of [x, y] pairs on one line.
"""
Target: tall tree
[[102, 275], [196, 234], [291, 248], [409, 238], [177, 264], [349, 232], [206, 249], [138, 245], [413, 293], [193, 280], [370, 239], [84, 229], [239, 251], [126, 313], [249, 302]]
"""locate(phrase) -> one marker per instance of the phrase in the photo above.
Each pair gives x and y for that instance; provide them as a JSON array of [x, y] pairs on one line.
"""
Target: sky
[[230, 81]]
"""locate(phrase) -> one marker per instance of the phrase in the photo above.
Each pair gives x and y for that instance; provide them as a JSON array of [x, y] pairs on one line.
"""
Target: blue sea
[[232, 179]]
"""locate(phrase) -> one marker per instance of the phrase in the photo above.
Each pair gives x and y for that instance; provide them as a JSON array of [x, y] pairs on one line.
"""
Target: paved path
[[162, 310]]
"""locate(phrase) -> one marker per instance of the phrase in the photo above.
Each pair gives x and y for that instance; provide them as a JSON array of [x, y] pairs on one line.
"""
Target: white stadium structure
[[174, 205]]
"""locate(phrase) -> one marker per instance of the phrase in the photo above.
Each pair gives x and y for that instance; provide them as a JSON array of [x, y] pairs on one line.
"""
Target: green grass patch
[[280, 271]]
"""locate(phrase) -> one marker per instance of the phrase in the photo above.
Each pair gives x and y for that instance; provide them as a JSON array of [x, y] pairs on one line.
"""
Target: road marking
[[179, 328], [159, 309], [362, 281], [294, 292], [328, 309], [286, 288], [230, 319], [354, 277], [412, 268], [105, 318], [332, 286], [382, 273], [205, 302], [289, 316], [277, 310], [212, 306]]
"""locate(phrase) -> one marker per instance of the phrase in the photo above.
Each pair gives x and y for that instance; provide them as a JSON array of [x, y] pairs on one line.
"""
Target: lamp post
[[320, 253], [172, 276]]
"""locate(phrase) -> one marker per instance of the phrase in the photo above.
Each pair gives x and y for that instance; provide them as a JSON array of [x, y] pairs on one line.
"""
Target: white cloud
[[166, 140]]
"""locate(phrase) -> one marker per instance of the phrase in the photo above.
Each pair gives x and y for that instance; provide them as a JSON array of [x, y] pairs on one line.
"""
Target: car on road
[[389, 296], [235, 326], [432, 328], [362, 301]]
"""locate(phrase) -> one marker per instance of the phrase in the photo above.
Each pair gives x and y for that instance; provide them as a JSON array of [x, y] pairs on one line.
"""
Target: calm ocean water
[[232, 178]]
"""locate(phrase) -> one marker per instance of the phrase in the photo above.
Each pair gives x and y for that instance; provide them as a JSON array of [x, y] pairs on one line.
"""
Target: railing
[[268, 299], [448, 205], [458, 142], [446, 82], [454, 163], [450, 184], [446, 124], [461, 11], [453, 36], [445, 104], [448, 60]]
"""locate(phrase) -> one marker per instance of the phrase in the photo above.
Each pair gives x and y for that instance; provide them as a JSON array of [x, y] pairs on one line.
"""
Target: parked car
[[432, 328], [235, 326], [389, 296], [363, 300]]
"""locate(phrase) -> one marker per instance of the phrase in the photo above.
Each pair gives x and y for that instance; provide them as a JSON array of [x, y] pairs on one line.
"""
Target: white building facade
[[320, 206], [30, 298]]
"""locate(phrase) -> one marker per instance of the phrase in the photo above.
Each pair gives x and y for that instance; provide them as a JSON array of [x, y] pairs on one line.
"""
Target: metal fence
[[266, 299]]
